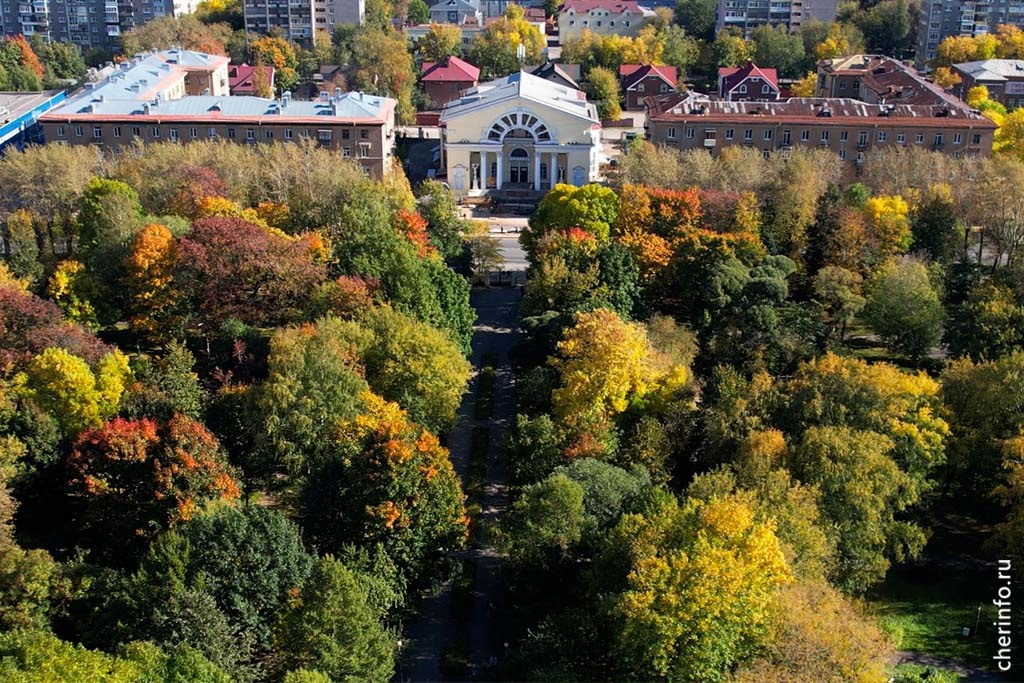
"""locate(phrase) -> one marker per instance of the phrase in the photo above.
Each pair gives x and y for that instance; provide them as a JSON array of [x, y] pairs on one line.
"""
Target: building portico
[[520, 132]]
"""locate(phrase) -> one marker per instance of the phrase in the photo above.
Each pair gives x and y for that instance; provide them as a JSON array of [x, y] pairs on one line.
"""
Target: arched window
[[519, 125], [519, 153]]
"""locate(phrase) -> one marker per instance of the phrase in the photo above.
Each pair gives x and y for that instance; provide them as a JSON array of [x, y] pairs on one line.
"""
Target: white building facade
[[520, 132]]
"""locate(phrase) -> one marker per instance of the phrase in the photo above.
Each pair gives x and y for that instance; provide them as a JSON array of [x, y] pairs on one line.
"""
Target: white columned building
[[520, 132]]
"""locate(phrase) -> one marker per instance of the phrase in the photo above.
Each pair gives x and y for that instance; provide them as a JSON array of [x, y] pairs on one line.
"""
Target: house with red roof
[[446, 80], [638, 81], [748, 83], [601, 17], [242, 79]]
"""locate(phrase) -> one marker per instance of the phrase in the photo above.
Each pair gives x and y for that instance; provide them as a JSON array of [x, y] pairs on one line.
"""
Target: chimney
[[135, 88], [145, 108], [206, 92], [286, 97], [337, 93]]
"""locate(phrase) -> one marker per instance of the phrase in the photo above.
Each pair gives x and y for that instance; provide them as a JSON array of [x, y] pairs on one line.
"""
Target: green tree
[[838, 292], [546, 520], [989, 324], [592, 208], [330, 627], [775, 46], [496, 49], [384, 66], [419, 12], [439, 42], [416, 366], [903, 307], [437, 204], [697, 17], [680, 49], [603, 89], [730, 49]]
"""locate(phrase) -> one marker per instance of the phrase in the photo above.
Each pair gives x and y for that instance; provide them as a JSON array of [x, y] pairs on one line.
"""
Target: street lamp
[[401, 671]]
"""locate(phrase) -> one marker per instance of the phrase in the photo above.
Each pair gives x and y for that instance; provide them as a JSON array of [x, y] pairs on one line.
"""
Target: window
[[748, 135], [901, 138], [136, 132], [919, 138], [640, 88], [957, 139], [78, 131], [287, 133], [938, 139], [364, 135], [689, 133], [844, 135], [193, 133], [60, 131], [323, 135], [842, 85], [599, 23], [977, 137], [211, 132], [346, 152], [155, 131], [805, 136], [881, 136], [345, 134], [250, 134], [766, 153], [173, 134], [862, 138], [709, 134], [364, 151], [728, 133], [787, 137], [671, 133], [117, 131], [664, 87], [742, 89], [97, 132], [768, 134], [231, 133], [842, 154], [572, 22], [765, 89], [824, 136]]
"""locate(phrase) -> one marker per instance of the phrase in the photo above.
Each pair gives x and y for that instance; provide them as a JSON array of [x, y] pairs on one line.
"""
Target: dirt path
[[970, 673], [427, 636]]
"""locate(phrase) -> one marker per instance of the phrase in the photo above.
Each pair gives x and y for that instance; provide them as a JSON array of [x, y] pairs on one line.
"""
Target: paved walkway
[[426, 636], [970, 673]]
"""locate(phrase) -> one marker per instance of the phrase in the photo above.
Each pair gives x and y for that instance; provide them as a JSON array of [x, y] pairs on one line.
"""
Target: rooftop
[[890, 79], [811, 109], [451, 68], [20, 103], [613, 6], [993, 69], [353, 106], [525, 86], [241, 76], [732, 75], [634, 73]]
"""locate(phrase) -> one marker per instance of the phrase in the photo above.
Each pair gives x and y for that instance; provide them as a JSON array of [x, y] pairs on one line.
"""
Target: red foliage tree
[[229, 267], [28, 325], [414, 227], [674, 211], [135, 478], [29, 60], [197, 183]]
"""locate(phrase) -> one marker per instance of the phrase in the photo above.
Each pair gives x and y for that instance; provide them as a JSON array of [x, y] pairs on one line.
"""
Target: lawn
[[925, 610]]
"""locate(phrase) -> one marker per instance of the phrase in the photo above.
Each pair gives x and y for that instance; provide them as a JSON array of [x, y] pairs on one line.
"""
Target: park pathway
[[439, 625]]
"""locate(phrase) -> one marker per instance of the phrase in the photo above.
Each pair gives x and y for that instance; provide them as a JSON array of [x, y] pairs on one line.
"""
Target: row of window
[[323, 135], [250, 133], [598, 24], [805, 136]]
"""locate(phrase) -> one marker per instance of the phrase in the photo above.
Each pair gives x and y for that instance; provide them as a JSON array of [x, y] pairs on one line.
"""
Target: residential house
[[638, 81], [1004, 79], [746, 15], [602, 17], [877, 79], [748, 83], [448, 79], [243, 79], [567, 75], [456, 12]]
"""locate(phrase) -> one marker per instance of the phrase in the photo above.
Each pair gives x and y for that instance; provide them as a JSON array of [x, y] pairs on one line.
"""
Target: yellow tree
[[890, 224], [945, 78], [806, 86], [954, 50], [149, 270], [701, 587], [603, 364], [836, 44]]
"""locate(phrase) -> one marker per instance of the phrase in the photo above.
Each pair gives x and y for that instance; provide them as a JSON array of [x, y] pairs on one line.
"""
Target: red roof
[[240, 77], [613, 6], [731, 76], [450, 69], [631, 74]]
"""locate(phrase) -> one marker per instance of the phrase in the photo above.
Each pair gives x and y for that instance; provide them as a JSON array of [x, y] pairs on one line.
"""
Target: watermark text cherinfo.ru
[[1004, 617]]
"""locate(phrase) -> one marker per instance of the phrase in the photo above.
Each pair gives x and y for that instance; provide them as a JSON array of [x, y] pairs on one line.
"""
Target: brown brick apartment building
[[849, 128]]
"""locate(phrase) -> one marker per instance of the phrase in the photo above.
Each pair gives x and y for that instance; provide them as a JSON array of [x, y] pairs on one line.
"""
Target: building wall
[[851, 140], [942, 18], [746, 15], [370, 145], [197, 81], [86, 23], [598, 21], [754, 91], [647, 87], [293, 17], [1009, 93], [441, 93]]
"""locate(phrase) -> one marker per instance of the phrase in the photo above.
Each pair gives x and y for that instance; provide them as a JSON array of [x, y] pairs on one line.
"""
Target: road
[[425, 637]]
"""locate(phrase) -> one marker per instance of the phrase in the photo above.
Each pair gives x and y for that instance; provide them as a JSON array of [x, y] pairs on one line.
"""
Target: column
[[482, 179], [536, 169], [497, 183]]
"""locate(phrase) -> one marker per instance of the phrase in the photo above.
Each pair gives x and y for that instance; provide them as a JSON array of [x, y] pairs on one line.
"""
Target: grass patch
[[915, 673], [925, 610], [455, 658], [464, 591], [483, 409], [476, 475]]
